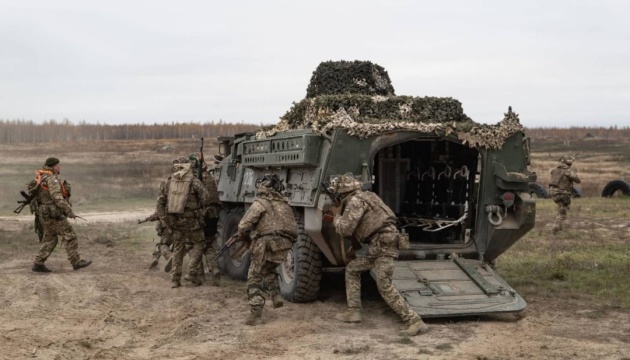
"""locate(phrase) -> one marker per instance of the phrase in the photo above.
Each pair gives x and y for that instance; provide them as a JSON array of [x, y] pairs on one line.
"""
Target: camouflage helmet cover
[[344, 184], [568, 160], [270, 182]]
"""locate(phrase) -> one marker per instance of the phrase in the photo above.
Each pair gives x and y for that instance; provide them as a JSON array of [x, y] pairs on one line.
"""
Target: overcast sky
[[557, 63]]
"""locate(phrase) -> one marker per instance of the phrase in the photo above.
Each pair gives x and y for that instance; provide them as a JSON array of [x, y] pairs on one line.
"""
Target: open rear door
[[457, 287]]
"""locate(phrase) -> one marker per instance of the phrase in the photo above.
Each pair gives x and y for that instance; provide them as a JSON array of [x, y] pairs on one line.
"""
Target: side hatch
[[454, 287]]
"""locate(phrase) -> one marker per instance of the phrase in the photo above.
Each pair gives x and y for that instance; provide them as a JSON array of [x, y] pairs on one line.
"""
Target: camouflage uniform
[[560, 189], [210, 228], [366, 217], [54, 208], [163, 247], [271, 222], [185, 227]]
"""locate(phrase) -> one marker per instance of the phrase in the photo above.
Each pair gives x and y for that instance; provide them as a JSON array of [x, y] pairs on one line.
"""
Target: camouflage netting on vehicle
[[358, 96], [349, 77], [470, 133]]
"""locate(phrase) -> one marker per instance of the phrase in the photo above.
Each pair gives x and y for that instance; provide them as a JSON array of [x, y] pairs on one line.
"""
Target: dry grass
[[598, 162]]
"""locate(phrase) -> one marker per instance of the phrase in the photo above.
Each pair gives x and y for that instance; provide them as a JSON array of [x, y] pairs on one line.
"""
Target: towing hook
[[494, 214]]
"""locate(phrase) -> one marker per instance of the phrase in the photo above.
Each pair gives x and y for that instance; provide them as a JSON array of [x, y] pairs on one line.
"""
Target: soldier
[[363, 215], [271, 218], [561, 187], [163, 247], [211, 219], [180, 204], [54, 209]]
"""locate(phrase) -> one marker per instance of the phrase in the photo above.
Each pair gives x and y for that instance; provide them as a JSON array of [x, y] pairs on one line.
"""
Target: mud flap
[[458, 287]]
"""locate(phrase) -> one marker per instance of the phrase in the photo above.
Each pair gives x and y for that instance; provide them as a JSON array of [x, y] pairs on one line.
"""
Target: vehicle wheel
[[576, 193], [616, 188], [227, 226], [301, 271], [538, 190]]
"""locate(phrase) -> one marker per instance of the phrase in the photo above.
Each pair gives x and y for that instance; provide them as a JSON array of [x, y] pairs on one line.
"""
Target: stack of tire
[[616, 188]]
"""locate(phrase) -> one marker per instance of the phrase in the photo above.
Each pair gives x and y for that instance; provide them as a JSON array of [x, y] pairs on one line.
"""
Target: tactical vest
[[277, 219], [46, 206], [556, 175], [560, 180], [377, 217]]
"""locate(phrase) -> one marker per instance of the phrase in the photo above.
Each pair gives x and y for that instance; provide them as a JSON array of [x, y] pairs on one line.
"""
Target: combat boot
[[154, 263], [254, 317], [216, 278], [40, 268], [194, 279], [81, 264], [175, 284], [415, 328], [352, 315], [278, 300]]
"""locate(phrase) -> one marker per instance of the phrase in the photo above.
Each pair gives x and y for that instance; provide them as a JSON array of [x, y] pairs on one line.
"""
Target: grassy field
[[588, 263]]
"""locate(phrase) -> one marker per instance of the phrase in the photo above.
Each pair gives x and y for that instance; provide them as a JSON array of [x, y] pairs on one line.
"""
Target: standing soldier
[[179, 205], [271, 218], [561, 188], [363, 215], [211, 218], [53, 208]]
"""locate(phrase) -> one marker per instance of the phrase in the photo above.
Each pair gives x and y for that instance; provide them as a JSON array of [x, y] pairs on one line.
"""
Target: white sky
[[557, 63]]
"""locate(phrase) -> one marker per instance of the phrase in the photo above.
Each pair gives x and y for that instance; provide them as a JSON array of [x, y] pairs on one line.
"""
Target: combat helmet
[[270, 182], [345, 183], [567, 160]]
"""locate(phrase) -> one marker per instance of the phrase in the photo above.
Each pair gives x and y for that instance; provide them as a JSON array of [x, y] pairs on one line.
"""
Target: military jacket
[[269, 214], [198, 198], [50, 199], [562, 179], [369, 219]]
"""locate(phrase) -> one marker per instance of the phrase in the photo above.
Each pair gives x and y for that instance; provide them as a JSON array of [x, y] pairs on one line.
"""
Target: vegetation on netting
[[349, 77]]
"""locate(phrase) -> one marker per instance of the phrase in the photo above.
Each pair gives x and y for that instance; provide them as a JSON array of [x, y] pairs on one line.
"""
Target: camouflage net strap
[[472, 134]]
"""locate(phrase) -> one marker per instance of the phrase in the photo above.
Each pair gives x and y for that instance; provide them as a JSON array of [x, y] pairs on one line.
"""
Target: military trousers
[[384, 269], [267, 253], [55, 230], [181, 237], [563, 201]]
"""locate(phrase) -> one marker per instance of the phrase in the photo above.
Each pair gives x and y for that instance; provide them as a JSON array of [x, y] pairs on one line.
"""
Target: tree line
[[22, 131]]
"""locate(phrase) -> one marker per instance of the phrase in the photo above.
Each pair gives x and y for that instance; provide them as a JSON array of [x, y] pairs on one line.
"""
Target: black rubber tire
[[300, 274], [615, 188], [576, 193], [540, 191], [228, 225]]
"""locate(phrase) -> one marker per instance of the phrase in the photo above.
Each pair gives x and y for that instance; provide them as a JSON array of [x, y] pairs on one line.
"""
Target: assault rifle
[[27, 199], [153, 217], [335, 198], [231, 241], [200, 168]]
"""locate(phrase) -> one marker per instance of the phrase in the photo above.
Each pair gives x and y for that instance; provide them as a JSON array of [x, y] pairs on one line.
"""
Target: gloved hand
[[71, 215]]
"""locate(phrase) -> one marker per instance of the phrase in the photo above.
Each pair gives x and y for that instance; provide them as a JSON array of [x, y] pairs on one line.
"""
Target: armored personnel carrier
[[460, 189]]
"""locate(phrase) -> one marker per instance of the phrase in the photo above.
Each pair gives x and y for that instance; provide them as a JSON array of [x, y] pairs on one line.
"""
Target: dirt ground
[[118, 309]]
